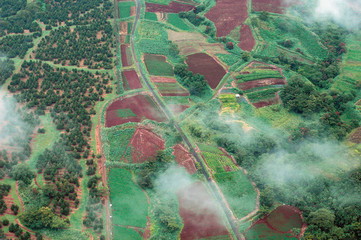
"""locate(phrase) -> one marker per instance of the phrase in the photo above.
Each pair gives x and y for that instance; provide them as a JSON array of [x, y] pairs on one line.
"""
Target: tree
[[22, 172], [322, 218], [42, 218], [264, 16], [230, 45]]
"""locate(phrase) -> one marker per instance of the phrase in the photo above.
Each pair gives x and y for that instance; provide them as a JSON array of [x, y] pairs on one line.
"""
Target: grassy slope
[[130, 207]]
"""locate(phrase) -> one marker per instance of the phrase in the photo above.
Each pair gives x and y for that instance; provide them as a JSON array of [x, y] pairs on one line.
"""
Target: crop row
[[118, 141], [263, 94], [218, 163], [259, 75]]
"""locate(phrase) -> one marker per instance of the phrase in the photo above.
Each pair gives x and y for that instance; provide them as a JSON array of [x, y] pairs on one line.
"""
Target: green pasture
[[218, 162], [157, 66], [151, 30], [176, 21], [262, 94], [182, 100], [43, 141], [116, 142], [209, 148], [129, 203], [163, 2], [256, 74], [125, 233], [151, 16], [228, 59], [238, 191], [124, 9], [351, 66]]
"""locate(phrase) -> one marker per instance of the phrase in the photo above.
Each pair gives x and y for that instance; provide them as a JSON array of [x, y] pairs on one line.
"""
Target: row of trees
[[195, 83]]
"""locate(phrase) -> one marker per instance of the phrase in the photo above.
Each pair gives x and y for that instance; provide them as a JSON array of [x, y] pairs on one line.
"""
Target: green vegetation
[[164, 2], [124, 113], [116, 142], [238, 191], [130, 207], [176, 21], [124, 9], [262, 94], [125, 233], [157, 65], [258, 74], [151, 16]]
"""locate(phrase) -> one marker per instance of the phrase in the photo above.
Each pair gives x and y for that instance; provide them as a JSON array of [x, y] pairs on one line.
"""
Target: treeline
[[195, 83], [6, 69], [16, 45]]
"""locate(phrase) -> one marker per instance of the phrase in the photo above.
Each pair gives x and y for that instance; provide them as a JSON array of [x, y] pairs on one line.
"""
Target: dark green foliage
[[6, 69], [23, 172], [11, 7], [195, 83], [94, 209], [16, 45], [42, 218], [5, 222], [15, 209]]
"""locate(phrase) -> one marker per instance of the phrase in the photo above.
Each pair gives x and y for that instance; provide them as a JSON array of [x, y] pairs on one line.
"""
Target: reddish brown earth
[[177, 109], [163, 79], [275, 6], [132, 79], [199, 212], [247, 41], [144, 145], [173, 7], [174, 94], [141, 105], [261, 83], [184, 158], [227, 14], [126, 60], [205, 65], [355, 137], [265, 103]]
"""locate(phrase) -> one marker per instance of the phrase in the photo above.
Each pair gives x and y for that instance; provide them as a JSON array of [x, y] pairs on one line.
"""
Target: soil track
[[173, 7], [228, 14], [205, 65], [199, 212], [163, 79], [247, 40]]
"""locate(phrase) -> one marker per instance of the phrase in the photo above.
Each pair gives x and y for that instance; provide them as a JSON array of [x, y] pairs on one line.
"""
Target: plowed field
[[173, 7], [199, 212], [205, 65], [184, 158], [247, 41], [261, 83], [275, 6], [228, 14], [131, 77], [143, 106], [144, 145], [126, 55]]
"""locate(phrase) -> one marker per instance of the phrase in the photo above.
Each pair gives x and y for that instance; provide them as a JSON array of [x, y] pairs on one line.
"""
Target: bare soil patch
[[173, 7], [184, 158], [205, 65], [261, 83], [228, 14], [247, 40], [132, 79], [163, 79]]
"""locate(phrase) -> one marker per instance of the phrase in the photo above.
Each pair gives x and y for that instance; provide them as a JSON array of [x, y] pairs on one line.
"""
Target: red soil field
[[265, 103], [182, 94], [173, 7], [205, 65], [355, 137], [126, 60], [275, 6], [260, 83], [280, 221], [163, 79], [199, 212], [132, 78], [141, 105], [227, 14], [177, 109], [247, 41], [184, 158], [145, 145]]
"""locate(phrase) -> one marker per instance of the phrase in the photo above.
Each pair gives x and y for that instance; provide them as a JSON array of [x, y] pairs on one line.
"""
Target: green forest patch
[[156, 65], [129, 203], [151, 16]]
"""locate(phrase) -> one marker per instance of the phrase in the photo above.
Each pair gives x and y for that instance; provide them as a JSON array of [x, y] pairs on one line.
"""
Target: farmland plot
[[172, 7], [157, 65]]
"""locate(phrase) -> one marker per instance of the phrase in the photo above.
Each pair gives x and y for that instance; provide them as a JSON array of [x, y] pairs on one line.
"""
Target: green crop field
[[151, 16], [262, 94], [164, 2], [218, 162], [124, 9], [238, 191], [258, 74], [157, 66], [124, 113], [171, 88], [116, 142], [229, 102], [209, 148], [125, 233], [228, 59], [182, 100], [129, 203], [176, 21]]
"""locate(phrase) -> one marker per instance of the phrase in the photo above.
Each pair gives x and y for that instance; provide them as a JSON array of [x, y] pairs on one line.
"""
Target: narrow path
[[184, 137], [17, 193]]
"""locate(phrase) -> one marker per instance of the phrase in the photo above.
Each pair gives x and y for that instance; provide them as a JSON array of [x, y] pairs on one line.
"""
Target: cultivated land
[[179, 119]]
